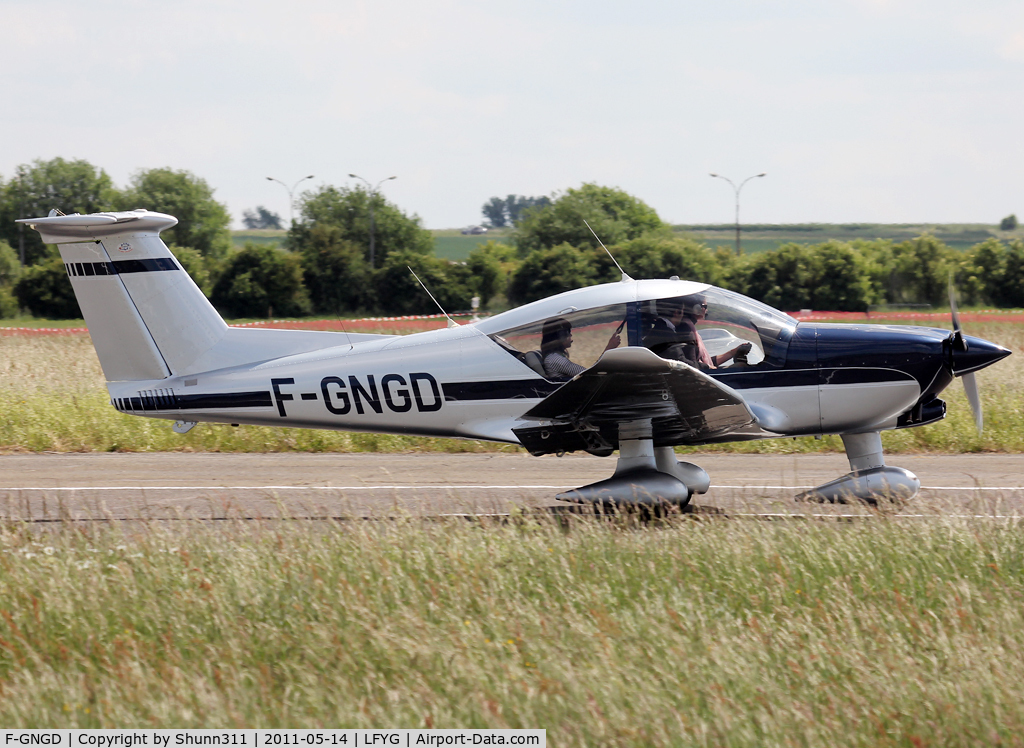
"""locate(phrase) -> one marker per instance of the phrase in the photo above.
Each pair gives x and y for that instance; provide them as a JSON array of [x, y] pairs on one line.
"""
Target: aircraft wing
[[685, 406]]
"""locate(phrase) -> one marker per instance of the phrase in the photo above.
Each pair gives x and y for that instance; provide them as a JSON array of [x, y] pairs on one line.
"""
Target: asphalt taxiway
[[210, 486]]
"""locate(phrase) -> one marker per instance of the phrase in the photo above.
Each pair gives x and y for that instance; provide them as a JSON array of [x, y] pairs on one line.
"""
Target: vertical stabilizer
[[147, 318], [123, 343]]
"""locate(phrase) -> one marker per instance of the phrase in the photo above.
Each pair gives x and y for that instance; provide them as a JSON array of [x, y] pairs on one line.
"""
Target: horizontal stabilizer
[[79, 228]]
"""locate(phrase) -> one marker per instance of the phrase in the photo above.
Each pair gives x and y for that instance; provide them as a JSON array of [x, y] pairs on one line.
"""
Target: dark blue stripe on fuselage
[[213, 401], [510, 389], [739, 380], [746, 379]]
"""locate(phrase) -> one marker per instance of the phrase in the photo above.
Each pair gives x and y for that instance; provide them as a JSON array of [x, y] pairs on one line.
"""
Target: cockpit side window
[[716, 329], [561, 346]]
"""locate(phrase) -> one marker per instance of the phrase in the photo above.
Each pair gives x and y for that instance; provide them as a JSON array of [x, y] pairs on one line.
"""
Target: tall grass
[[53, 398], [604, 633]]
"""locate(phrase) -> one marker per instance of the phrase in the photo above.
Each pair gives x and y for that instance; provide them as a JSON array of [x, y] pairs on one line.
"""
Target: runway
[[210, 486]]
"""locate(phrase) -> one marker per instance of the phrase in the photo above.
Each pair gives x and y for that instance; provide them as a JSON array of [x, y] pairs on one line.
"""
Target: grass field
[[53, 397], [901, 633]]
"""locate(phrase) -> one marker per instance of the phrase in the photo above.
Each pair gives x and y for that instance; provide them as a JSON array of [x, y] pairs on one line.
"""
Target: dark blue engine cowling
[[862, 353]]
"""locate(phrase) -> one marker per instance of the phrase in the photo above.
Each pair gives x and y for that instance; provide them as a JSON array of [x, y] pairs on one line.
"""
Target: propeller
[[959, 344]]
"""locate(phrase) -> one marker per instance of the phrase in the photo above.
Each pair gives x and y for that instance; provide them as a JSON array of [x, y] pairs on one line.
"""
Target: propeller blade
[[971, 388], [952, 305], [958, 342]]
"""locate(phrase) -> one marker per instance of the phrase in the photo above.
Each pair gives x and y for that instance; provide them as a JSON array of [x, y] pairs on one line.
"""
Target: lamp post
[[737, 191], [291, 191], [373, 193], [21, 210]]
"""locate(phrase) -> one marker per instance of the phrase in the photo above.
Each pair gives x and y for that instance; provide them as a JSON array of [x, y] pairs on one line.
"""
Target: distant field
[[763, 237], [257, 236], [451, 244]]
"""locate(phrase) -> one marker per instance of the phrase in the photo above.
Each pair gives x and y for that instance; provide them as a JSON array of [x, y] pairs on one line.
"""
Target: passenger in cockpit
[[674, 334], [556, 339]]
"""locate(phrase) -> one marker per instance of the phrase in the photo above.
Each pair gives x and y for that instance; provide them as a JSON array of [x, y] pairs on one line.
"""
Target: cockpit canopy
[[702, 325]]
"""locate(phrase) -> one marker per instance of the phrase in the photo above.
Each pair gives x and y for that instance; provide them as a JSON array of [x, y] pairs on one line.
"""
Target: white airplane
[[734, 369]]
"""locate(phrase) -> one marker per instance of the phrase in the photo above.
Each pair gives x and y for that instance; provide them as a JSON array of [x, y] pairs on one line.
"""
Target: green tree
[[829, 276], [510, 211], [662, 255], [546, 272], [999, 269], [399, 293], [495, 214], [1009, 223], [614, 215], [920, 271], [10, 267], [336, 274], [842, 283], [45, 290], [69, 186], [349, 210], [10, 271], [261, 281], [517, 206], [202, 221], [261, 218], [490, 265]]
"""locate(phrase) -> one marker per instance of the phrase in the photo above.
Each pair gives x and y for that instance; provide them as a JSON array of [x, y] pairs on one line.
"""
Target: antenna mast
[[451, 322], [624, 276]]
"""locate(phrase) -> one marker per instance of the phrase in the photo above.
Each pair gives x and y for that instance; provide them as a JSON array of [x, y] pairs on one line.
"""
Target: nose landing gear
[[870, 480]]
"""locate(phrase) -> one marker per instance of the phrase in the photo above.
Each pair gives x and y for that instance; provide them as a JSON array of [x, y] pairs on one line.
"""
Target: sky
[[857, 110]]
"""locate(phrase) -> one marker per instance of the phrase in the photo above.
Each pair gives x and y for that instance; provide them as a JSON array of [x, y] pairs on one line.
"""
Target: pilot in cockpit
[[556, 339], [674, 334]]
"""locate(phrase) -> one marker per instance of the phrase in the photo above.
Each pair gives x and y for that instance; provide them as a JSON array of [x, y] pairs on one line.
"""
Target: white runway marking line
[[420, 487]]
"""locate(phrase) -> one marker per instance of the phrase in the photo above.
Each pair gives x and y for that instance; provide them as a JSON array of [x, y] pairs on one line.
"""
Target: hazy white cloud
[[894, 110]]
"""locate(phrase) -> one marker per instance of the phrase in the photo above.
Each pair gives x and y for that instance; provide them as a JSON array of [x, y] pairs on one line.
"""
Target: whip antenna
[[624, 276], [451, 322]]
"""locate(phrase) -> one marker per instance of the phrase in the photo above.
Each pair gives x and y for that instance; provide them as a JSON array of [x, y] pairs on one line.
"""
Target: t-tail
[[147, 317]]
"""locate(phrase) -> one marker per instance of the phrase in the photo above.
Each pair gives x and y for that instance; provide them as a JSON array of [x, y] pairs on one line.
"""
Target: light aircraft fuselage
[[634, 366]]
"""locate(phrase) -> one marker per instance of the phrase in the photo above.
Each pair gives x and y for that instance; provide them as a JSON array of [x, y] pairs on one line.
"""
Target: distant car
[[475, 230]]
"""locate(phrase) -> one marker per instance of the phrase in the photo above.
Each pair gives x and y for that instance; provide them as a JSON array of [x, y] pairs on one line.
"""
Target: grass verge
[[604, 633]]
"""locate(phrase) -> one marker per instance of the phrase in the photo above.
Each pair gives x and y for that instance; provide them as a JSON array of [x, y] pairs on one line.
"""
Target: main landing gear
[[870, 479], [645, 475]]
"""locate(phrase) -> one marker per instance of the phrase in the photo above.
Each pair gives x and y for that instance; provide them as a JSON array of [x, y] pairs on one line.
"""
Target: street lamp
[[373, 194], [21, 210], [291, 191], [737, 191]]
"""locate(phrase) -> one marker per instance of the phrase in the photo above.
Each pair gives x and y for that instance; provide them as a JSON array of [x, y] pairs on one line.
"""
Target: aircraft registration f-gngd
[[653, 364]]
